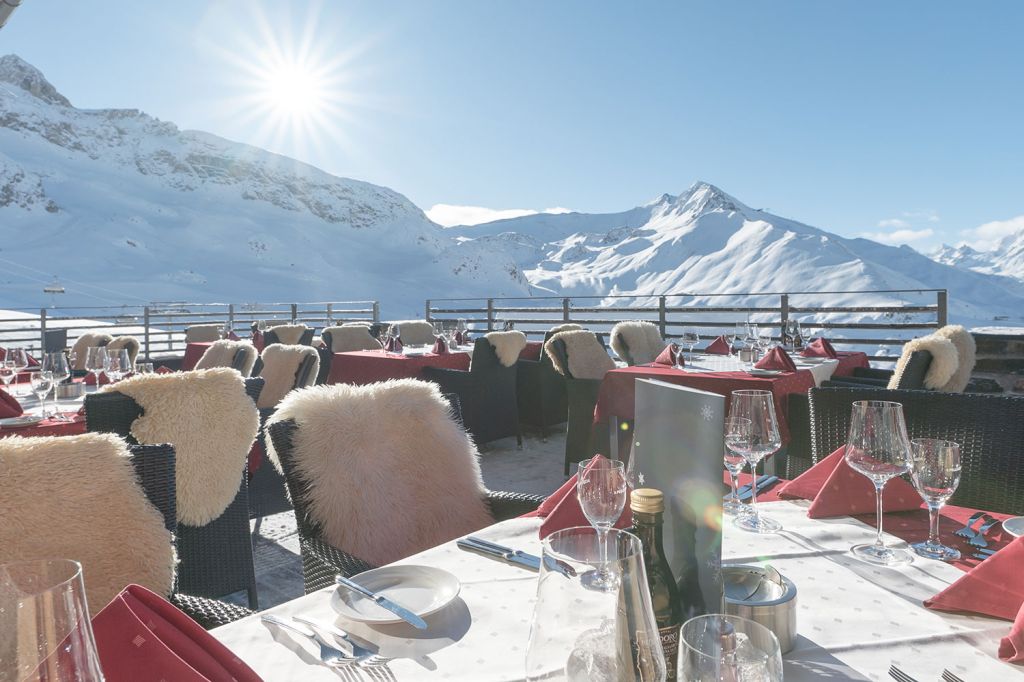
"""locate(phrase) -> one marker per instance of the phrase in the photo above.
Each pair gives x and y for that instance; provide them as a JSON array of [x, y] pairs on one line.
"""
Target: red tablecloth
[[532, 350], [848, 360], [48, 427], [369, 366], [193, 352]]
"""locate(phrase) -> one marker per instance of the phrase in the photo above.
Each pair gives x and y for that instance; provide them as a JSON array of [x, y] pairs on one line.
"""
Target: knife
[[382, 601], [762, 485], [743, 489], [512, 556]]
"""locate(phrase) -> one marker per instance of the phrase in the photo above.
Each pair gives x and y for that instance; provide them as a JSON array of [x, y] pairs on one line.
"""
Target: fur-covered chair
[[288, 335], [83, 343], [239, 355], [286, 368], [540, 389], [128, 343], [203, 333], [966, 351], [415, 332], [344, 339], [637, 342], [346, 466], [487, 392]]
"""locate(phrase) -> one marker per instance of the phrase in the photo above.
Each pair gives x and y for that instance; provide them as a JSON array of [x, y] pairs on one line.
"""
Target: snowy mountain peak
[[703, 197], [16, 71]]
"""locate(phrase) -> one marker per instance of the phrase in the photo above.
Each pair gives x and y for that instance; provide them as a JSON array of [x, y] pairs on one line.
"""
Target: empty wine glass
[[144, 368], [57, 364], [730, 338], [396, 334], [96, 362], [690, 338], [764, 339], [7, 373], [722, 648], [18, 359], [42, 383], [737, 442], [878, 447], [739, 333], [261, 326], [117, 365], [601, 489], [759, 408], [935, 470]]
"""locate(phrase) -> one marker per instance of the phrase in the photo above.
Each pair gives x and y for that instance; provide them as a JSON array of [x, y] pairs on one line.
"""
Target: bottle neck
[[648, 528]]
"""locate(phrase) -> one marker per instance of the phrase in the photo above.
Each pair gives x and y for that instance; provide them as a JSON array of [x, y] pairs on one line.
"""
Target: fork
[[950, 677], [330, 656], [363, 655], [967, 531], [899, 675], [979, 538]]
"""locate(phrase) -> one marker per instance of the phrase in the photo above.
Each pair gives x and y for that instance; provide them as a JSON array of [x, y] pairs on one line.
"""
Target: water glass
[[601, 490], [144, 368], [7, 372], [690, 338], [716, 648], [935, 470], [737, 442], [96, 362], [759, 408], [42, 383]]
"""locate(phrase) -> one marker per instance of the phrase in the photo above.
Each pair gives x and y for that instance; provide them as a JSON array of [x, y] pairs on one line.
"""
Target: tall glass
[[601, 490], [878, 447], [690, 338], [46, 623], [96, 362], [737, 443], [935, 470], [759, 408], [57, 365], [42, 383], [580, 634], [7, 373], [18, 359], [721, 648]]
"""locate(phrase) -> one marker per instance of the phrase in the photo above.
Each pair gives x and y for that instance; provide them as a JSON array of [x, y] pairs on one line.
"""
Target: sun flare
[[294, 91]]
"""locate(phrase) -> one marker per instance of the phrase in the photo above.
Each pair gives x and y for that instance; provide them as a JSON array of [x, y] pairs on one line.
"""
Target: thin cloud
[[897, 237], [893, 222], [449, 215], [986, 236]]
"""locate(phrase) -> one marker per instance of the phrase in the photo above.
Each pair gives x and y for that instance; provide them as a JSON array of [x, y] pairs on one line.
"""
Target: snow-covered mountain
[[1006, 259]]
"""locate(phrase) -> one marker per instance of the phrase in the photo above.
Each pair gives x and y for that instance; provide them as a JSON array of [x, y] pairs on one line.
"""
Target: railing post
[[662, 316], [376, 311], [565, 310], [330, 314], [784, 308], [231, 316], [295, 313], [490, 314], [426, 312], [42, 330], [942, 301], [145, 330]]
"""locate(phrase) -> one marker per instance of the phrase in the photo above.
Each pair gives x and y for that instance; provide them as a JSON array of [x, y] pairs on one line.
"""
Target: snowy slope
[[1007, 258]]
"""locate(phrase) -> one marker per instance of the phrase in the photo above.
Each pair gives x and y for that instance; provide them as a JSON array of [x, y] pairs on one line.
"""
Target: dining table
[[193, 353], [370, 366], [73, 425]]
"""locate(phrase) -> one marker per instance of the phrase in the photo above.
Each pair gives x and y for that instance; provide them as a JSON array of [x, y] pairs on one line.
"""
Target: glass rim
[[777, 650], [877, 403], [750, 391], [604, 463], [940, 442], [73, 568], [635, 544]]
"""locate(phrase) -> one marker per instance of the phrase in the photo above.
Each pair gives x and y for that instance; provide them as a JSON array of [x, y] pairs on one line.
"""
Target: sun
[[294, 91]]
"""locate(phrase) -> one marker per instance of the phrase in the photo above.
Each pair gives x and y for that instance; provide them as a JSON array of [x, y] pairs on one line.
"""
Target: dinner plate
[[24, 420], [416, 351], [421, 589], [764, 372], [811, 361], [1014, 526]]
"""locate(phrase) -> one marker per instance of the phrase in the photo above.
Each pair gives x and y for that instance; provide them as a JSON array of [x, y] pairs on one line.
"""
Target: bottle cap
[[647, 501]]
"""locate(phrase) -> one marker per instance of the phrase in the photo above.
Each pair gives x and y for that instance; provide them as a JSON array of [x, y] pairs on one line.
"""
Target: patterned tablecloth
[[193, 353], [47, 427], [368, 366]]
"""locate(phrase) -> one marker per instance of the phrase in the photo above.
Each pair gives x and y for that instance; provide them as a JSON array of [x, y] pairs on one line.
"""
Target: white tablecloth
[[854, 619], [822, 371]]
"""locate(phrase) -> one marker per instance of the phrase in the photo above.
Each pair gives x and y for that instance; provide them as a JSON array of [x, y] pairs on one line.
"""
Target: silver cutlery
[[967, 531], [743, 489], [383, 602], [984, 554], [950, 677], [979, 538], [512, 556], [897, 674], [363, 655], [329, 655], [761, 487]]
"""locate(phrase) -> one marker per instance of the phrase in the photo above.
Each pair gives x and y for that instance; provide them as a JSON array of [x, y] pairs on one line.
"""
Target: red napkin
[[459, 338], [393, 345], [777, 358], [440, 347], [563, 508], [1011, 647], [837, 490], [718, 347], [232, 336], [669, 356], [164, 370], [90, 379], [257, 340], [32, 362], [141, 637], [819, 348], [9, 406]]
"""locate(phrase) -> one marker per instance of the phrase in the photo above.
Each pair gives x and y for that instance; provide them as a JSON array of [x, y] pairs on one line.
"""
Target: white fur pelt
[[203, 333], [384, 489], [290, 334], [507, 346], [415, 332], [360, 323], [587, 357], [942, 368], [86, 341], [128, 343], [77, 497], [280, 364], [637, 342], [966, 350], [356, 337], [211, 422], [564, 328], [222, 354]]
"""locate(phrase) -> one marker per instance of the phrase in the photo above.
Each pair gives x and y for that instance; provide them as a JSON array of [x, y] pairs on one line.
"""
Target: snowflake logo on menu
[[640, 477], [707, 412]]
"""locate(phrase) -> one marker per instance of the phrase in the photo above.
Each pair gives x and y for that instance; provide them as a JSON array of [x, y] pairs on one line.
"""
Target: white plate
[[421, 589], [1014, 526], [24, 420], [764, 372], [811, 361]]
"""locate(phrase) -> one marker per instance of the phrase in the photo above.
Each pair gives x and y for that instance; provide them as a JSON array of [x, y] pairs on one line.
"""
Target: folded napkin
[[1011, 647], [32, 362], [837, 490], [141, 637], [669, 356], [718, 347], [257, 340], [777, 358], [90, 379], [164, 370], [9, 406], [394, 345], [819, 348], [232, 336], [440, 347], [562, 509]]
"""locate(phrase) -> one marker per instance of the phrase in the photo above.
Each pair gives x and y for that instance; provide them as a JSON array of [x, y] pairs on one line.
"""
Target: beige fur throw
[[203, 333], [568, 327], [415, 332], [507, 346], [587, 357], [84, 343], [222, 354], [211, 422], [290, 334], [638, 342], [385, 488], [77, 497], [942, 368], [280, 364], [128, 343], [360, 323], [966, 351], [356, 337]]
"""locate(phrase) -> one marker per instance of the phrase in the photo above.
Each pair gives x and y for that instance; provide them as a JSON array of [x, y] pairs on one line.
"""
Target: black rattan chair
[[541, 393], [989, 429], [270, 336], [55, 340], [581, 395], [267, 493], [912, 378]]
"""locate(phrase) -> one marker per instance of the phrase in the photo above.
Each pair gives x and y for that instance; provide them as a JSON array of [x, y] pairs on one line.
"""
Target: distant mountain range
[[1006, 258]]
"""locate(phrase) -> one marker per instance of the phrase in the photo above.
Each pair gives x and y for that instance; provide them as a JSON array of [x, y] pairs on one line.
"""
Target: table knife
[[382, 601], [762, 484], [743, 489], [513, 556]]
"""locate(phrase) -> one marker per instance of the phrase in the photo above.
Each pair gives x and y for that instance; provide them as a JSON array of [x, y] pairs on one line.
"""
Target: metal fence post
[[565, 310], [942, 302], [426, 312], [376, 311], [42, 330], [330, 313], [231, 316], [295, 313], [662, 316], [490, 314], [145, 330], [784, 309]]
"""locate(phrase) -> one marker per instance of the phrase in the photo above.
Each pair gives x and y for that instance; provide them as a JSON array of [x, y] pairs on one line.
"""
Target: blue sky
[[896, 119]]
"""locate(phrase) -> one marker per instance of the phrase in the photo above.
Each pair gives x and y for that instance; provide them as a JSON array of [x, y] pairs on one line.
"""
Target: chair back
[[203, 333], [485, 358], [915, 371], [55, 340], [271, 336], [286, 368]]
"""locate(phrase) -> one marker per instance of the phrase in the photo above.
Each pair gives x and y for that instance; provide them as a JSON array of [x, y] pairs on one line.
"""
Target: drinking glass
[[751, 339], [114, 369], [42, 383], [57, 364], [96, 362], [878, 447], [7, 373], [261, 326], [18, 359], [123, 362], [581, 634], [739, 332], [396, 333], [737, 442], [764, 339], [716, 648], [935, 470], [144, 368], [384, 336], [730, 338], [759, 408], [690, 338], [601, 489], [46, 623]]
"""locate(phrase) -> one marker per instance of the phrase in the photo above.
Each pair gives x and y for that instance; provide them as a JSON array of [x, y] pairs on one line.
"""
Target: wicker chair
[[270, 336], [581, 396], [321, 561], [216, 559], [911, 380], [267, 493], [540, 390], [989, 429], [487, 392]]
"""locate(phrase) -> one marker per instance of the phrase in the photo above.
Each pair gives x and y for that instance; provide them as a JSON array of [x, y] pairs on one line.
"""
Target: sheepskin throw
[[222, 354], [942, 368], [211, 422], [587, 357], [77, 497], [638, 343], [384, 489], [128, 343], [346, 338], [507, 346], [966, 351], [360, 323], [290, 334], [280, 365], [84, 343], [563, 328], [415, 332], [203, 333]]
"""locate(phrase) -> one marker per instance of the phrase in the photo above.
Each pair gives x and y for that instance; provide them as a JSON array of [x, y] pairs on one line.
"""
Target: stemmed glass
[[764, 339], [690, 338], [730, 338], [7, 373], [935, 470], [396, 334], [751, 338], [143, 367], [759, 408], [737, 442], [718, 648], [601, 489], [117, 365], [96, 362], [879, 448], [41, 383], [57, 365], [384, 336], [18, 359]]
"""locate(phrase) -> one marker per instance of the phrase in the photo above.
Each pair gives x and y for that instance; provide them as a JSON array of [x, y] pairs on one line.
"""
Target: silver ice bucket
[[763, 595]]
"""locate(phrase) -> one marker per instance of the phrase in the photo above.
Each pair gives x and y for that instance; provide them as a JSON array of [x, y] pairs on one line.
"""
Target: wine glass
[[261, 326], [690, 338], [879, 448], [144, 368], [18, 359], [57, 365], [384, 337], [737, 442], [764, 339], [7, 373], [935, 470], [601, 489], [96, 362], [396, 334], [719, 647], [730, 338], [42, 383], [759, 408]]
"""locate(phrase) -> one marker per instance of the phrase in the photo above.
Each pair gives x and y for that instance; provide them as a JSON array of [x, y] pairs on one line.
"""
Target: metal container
[[71, 390], [763, 595]]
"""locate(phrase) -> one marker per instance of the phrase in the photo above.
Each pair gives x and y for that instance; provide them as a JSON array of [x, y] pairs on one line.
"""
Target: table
[[193, 353], [48, 427], [369, 366]]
